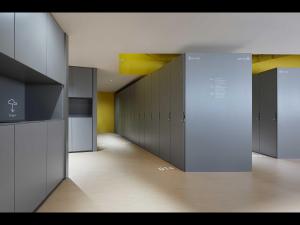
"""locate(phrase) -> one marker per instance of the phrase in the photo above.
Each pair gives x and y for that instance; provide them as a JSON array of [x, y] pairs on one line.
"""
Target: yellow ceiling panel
[[289, 61], [142, 64]]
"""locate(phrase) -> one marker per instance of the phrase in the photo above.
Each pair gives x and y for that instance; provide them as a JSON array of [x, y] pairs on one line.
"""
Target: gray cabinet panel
[[30, 169], [218, 102], [7, 34], [288, 106], [55, 153], [255, 113], [268, 111], [82, 134], [30, 40], [81, 82], [164, 109], [7, 168], [177, 112], [56, 60]]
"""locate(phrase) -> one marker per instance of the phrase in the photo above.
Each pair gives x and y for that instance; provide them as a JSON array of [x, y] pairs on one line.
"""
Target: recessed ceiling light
[[110, 80]]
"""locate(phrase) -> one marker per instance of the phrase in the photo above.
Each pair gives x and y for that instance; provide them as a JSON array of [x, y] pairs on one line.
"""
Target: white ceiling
[[96, 39]]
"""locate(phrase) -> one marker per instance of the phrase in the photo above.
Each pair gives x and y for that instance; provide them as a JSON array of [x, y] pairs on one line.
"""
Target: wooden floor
[[124, 178]]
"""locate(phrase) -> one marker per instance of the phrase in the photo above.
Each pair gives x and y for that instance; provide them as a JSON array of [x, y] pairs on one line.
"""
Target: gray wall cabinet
[[7, 34], [55, 153], [30, 165], [191, 102], [278, 100], [30, 40], [56, 60], [81, 80], [7, 168], [33, 145]]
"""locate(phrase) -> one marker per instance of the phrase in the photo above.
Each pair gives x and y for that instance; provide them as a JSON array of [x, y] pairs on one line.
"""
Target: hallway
[[124, 178]]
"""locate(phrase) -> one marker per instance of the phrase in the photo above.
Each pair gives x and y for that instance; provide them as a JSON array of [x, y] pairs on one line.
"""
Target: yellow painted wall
[[105, 112]]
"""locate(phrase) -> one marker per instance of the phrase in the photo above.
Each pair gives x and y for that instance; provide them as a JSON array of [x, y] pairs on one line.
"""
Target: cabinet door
[[147, 112], [30, 40], [82, 131], [30, 165], [155, 113], [7, 34], [268, 111], [7, 168], [164, 107], [81, 80], [177, 113], [55, 154], [56, 60]]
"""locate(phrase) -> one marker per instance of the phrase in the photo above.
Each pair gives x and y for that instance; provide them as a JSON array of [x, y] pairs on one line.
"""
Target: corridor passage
[[122, 177]]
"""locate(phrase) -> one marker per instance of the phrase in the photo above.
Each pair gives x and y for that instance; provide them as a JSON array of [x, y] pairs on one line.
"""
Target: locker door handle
[[275, 117], [169, 117], [258, 117]]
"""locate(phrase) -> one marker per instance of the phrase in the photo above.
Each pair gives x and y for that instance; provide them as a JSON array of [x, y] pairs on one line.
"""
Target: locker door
[[143, 104], [255, 113], [164, 106], [155, 113], [268, 106], [147, 112], [7, 168], [177, 113]]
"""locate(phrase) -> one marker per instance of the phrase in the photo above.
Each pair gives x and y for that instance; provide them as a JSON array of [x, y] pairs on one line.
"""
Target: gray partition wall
[[218, 95], [279, 109], [195, 112], [82, 109]]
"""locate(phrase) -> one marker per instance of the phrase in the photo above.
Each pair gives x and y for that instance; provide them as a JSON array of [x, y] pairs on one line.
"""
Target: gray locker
[[141, 111], [268, 109], [30, 165], [218, 103], [148, 94], [30, 40], [164, 112], [117, 113], [279, 113], [55, 153], [177, 112], [7, 34], [255, 113], [56, 60], [155, 113], [7, 168], [135, 113], [80, 83], [82, 133]]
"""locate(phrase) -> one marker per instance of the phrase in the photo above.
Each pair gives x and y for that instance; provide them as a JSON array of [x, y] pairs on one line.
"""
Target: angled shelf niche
[[27, 95]]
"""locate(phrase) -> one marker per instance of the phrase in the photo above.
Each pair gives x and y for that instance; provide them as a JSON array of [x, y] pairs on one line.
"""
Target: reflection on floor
[[123, 177]]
